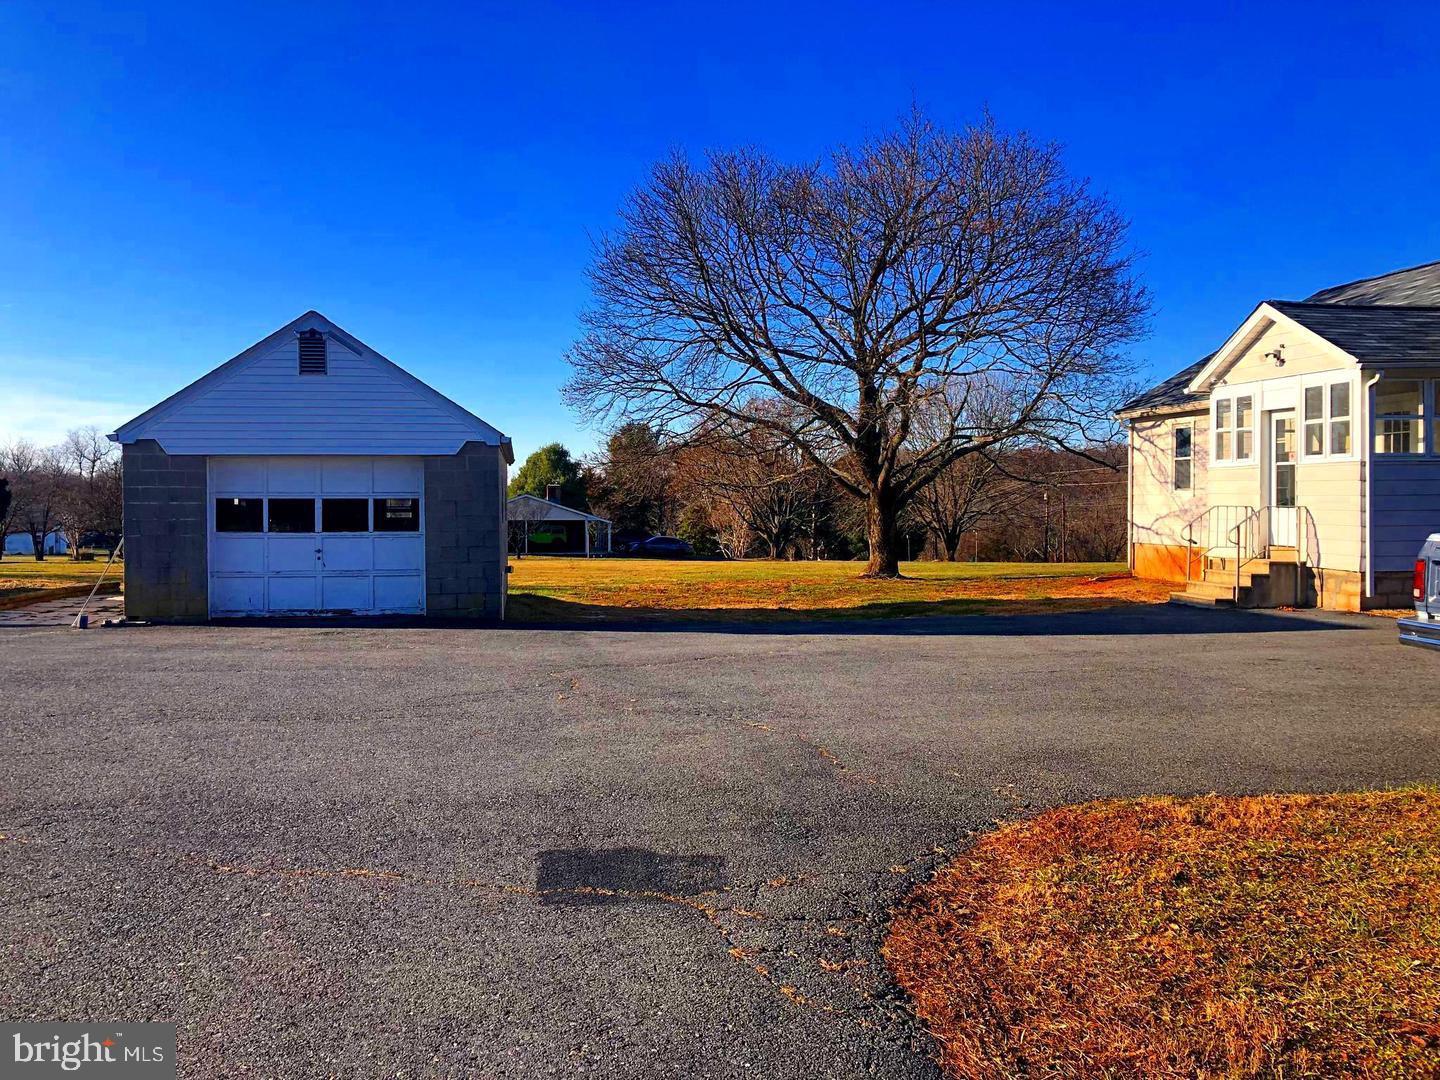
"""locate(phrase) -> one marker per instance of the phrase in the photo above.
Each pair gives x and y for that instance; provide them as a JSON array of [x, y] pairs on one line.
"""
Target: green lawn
[[543, 587]]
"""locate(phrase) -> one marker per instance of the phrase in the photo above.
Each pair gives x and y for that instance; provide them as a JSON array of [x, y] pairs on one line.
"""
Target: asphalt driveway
[[621, 852]]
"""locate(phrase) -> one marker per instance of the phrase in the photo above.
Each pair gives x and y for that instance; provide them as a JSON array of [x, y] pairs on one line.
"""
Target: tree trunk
[[881, 515]]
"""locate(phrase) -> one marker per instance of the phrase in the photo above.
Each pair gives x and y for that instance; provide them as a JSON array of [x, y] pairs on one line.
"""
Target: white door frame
[[1282, 526]]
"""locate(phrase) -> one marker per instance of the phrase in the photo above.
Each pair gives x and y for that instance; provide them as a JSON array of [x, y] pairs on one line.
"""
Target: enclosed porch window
[[1400, 416]]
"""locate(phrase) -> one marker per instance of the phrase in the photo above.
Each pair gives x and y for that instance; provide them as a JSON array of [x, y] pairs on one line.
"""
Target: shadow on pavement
[[624, 875], [1122, 620]]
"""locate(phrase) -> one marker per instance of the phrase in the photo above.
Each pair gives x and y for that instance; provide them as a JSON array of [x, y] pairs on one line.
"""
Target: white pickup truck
[[1424, 629]]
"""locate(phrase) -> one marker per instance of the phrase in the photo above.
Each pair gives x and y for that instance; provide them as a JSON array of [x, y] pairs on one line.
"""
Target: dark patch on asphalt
[[583, 876]]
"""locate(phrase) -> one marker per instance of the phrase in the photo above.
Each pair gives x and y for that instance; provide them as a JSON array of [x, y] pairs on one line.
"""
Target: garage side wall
[[165, 521], [465, 533]]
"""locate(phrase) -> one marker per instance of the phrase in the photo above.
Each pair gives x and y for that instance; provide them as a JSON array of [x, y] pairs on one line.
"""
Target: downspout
[[1130, 497], [1367, 448]]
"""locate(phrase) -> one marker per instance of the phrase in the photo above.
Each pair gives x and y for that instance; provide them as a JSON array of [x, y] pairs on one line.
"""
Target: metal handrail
[[1212, 523], [1250, 528]]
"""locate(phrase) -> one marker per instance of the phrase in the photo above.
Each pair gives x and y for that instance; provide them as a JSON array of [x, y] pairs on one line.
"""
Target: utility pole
[[1045, 498], [1064, 530]]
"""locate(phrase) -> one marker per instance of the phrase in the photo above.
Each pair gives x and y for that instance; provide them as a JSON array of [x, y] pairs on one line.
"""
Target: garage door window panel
[[291, 516], [345, 515], [239, 515], [397, 515]]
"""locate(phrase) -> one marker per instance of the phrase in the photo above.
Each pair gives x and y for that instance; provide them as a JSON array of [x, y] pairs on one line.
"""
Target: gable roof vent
[[313, 355]]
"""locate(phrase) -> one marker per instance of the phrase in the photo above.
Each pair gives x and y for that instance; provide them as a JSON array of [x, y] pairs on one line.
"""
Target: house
[[547, 527], [24, 544], [311, 475], [1299, 463]]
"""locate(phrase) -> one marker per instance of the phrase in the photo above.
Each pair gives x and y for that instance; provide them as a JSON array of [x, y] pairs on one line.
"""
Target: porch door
[[1282, 479]]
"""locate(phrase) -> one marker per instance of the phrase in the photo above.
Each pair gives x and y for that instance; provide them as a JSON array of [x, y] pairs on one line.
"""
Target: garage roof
[[266, 400]]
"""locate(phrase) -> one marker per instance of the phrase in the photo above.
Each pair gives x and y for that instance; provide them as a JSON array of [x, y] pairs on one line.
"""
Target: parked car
[[1424, 628], [662, 547]]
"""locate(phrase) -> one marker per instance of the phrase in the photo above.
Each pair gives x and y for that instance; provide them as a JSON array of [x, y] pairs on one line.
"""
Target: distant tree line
[[744, 492], [73, 489]]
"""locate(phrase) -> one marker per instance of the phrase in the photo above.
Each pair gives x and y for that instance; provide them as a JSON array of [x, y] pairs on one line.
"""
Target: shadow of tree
[[950, 617]]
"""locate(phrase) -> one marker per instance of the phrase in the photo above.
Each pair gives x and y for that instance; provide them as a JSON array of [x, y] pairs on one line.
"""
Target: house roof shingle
[[1169, 394], [1372, 334], [1416, 286], [1392, 318]]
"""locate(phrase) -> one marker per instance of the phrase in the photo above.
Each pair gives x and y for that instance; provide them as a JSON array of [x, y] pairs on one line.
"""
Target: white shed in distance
[[546, 527]]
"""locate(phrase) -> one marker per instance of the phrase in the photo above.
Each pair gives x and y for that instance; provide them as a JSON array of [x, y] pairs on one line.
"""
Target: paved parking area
[[52, 613], [618, 852]]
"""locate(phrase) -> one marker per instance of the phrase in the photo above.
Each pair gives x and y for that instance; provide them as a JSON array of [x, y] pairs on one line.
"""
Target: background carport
[[545, 527]]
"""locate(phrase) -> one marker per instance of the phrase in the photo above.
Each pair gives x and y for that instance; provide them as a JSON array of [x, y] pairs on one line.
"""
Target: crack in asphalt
[[712, 914], [824, 751]]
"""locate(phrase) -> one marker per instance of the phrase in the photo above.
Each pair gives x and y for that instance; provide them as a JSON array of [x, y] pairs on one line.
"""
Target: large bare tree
[[858, 290]]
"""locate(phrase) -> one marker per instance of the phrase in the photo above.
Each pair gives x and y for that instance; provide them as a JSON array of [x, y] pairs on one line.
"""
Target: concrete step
[[1221, 590], [1192, 600], [1229, 564], [1283, 556], [1248, 578]]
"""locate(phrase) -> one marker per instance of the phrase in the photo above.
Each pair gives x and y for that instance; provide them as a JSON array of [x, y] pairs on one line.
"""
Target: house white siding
[[1324, 484], [1161, 512], [1304, 354], [1329, 487]]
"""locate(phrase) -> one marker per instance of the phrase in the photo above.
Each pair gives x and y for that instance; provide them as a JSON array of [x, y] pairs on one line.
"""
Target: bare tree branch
[[861, 293]]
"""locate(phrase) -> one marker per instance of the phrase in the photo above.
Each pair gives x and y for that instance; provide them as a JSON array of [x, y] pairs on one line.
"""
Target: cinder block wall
[[166, 576], [465, 533]]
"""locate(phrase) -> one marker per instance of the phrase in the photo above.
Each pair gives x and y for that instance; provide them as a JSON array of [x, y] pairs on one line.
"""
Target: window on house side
[[1314, 421], [1340, 418], [1244, 428], [1224, 433], [1183, 456], [1399, 417]]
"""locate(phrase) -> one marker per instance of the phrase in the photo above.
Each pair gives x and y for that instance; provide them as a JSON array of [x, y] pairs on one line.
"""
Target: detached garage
[[310, 475]]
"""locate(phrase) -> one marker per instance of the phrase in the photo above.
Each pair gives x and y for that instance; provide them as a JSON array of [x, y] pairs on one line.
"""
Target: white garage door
[[301, 535]]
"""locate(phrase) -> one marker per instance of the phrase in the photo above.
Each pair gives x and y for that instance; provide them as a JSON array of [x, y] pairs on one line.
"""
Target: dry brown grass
[[22, 575], [551, 587], [1269, 936]]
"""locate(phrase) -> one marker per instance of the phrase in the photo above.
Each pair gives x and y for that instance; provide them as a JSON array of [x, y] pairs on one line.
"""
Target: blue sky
[[177, 180]]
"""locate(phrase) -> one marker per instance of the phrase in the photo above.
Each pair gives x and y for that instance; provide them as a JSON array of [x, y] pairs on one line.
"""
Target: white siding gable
[[259, 403]]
